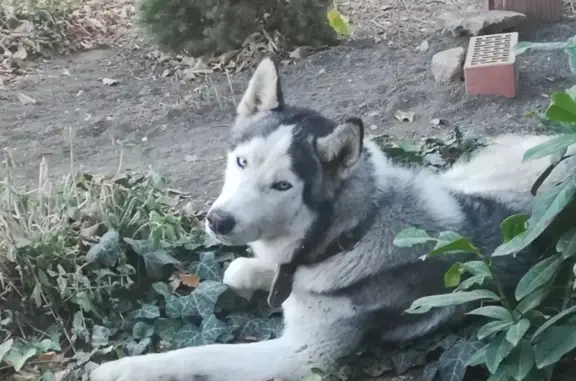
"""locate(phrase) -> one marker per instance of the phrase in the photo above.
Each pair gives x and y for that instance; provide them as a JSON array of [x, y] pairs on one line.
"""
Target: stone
[[480, 22], [447, 65]]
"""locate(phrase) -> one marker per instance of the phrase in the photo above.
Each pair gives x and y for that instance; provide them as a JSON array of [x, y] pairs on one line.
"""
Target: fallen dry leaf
[[404, 116], [109, 81], [25, 99], [190, 280]]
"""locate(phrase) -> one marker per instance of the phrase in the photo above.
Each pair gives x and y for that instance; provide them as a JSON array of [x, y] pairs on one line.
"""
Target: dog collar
[[284, 277]]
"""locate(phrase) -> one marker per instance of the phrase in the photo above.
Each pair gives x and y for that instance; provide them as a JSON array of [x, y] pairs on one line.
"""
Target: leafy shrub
[[216, 26], [524, 336]]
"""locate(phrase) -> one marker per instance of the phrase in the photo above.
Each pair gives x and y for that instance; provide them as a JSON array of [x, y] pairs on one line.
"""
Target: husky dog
[[320, 205]]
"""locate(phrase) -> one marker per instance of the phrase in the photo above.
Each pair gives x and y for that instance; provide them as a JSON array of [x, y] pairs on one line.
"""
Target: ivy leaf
[[478, 358], [207, 268], [147, 311], [174, 306], [425, 304], [188, 336], [203, 299], [214, 329], [167, 329], [162, 289], [100, 336], [452, 363], [430, 371], [154, 259], [107, 250], [137, 348], [19, 354], [142, 330], [406, 359], [412, 236], [5, 347], [538, 275]]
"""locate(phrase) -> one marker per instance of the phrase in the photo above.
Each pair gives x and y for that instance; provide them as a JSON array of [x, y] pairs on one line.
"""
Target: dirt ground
[[181, 129]]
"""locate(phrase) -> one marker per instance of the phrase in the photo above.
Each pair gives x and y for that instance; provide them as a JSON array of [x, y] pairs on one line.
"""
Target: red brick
[[490, 67]]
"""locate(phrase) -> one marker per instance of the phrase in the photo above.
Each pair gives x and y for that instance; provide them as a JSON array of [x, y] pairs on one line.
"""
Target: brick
[[490, 67], [535, 10]]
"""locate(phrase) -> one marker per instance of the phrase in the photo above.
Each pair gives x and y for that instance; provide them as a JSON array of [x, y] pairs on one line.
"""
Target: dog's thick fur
[[293, 177]]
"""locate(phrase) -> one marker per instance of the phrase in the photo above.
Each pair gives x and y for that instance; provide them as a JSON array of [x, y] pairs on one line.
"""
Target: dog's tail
[[499, 168]]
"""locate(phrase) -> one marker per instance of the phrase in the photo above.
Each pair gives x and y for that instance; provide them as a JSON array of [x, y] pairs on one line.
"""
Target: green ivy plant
[[524, 336]]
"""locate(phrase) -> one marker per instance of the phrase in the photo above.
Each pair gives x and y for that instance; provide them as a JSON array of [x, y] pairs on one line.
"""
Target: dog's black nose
[[220, 222]]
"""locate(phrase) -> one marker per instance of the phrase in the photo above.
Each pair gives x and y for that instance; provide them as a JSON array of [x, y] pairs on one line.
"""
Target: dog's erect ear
[[264, 92], [341, 149]]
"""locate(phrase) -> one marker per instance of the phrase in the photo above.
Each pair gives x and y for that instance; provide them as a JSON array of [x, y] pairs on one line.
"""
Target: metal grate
[[492, 49]]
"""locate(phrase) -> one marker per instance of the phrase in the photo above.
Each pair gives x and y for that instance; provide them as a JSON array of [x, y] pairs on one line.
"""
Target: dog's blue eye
[[281, 185], [241, 162]]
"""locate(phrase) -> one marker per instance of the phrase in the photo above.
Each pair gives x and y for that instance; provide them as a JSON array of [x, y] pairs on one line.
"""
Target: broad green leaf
[[452, 276], [533, 300], [538, 275], [550, 146], [517, 331], [5, 347], [562, 108], [338, 22], [460, 245], [107, 250], [546, 206], [207, 268], [478, 358], [154, 259], [520, 362], [567, 244], [425, 304], [522, 46], [497, 351], [142, 330], [412, 236], [513, 226], [452, 363], [493, 327], [553, 344], [495, 312], [477, 268], [553, 320], [500, 375], [213, 330], [147, 311]]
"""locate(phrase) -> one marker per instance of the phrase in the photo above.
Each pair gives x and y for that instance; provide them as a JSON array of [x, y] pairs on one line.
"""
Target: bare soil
[[181, 129]]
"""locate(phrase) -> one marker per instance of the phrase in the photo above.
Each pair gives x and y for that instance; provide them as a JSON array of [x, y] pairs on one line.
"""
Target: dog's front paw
[[137, 368], [240, 277]]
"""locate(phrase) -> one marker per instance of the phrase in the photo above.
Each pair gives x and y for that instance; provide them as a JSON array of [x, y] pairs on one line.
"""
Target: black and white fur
[[295, 176]]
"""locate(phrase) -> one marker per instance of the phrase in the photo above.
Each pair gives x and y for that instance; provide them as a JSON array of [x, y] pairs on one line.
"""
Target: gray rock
[[447, 65], [479, 22]]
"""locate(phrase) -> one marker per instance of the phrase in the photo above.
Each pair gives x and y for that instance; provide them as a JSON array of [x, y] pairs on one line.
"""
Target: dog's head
[[284, 165]]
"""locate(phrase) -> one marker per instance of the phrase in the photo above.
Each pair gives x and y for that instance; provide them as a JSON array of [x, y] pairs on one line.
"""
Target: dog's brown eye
[[241, 162], [281, 185]]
